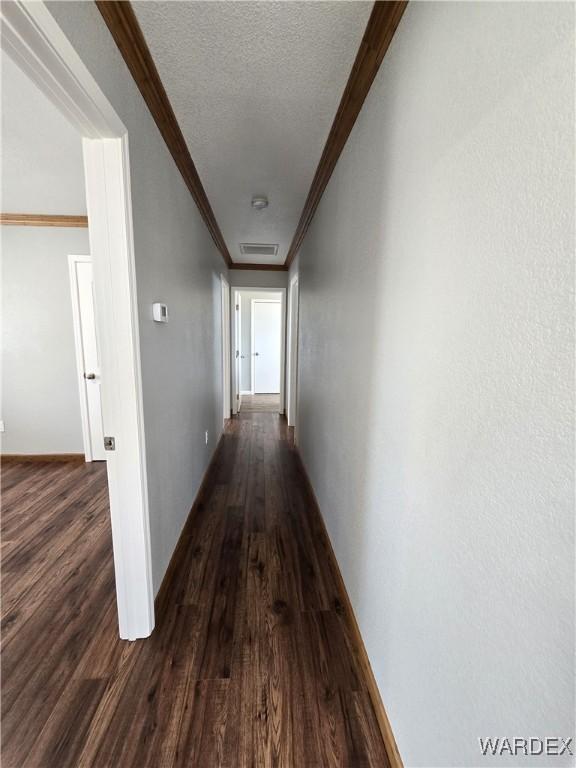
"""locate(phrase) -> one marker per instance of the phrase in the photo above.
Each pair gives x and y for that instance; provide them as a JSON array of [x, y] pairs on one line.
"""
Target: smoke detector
[[259, 202]]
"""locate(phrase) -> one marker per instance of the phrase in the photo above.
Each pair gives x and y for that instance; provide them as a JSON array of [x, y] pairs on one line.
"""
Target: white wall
[[40, 401], [42, 172], [436, 376], [246, 333], [42, 165], [177, 263]]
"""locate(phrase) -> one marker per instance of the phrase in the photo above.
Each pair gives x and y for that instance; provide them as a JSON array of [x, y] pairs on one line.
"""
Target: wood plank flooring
[[252, 662], [260, 403]]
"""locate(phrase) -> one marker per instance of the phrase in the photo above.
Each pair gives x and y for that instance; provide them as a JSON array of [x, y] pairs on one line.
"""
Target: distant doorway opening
[[259, 334]]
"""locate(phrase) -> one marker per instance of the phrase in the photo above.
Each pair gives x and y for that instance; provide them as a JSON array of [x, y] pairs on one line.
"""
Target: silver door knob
[[90, 376]]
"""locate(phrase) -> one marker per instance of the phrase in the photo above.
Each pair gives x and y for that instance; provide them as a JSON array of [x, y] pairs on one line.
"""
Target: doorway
[[39, 48], [259, 354]]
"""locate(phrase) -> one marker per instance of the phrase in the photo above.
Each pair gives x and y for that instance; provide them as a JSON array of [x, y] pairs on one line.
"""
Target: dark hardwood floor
[[259, 403], [252, 663]]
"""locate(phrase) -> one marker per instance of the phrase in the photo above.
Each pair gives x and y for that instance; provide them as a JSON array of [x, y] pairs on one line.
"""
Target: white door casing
[[266, 345], [226, 388], [87, 356], [235, 315], [292, 378]]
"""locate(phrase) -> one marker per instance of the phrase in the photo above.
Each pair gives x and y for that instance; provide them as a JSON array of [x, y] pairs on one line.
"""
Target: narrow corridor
[[252, 660]]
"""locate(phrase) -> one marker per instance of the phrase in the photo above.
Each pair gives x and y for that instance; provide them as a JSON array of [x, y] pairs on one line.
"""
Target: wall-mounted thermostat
[[160, 312]]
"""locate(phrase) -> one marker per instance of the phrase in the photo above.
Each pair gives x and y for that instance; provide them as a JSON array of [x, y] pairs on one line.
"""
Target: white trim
[[225, 310], [111, 244], [252, 361], [240, 351], [37, 44], [79, 348], [236, 292], [292, 375], [235, 351]]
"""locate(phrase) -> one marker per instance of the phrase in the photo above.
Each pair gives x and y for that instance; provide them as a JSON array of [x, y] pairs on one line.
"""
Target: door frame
[[79, 348], [226, 388], [253, 302], [236, 291], [33, 39], [292, 375]]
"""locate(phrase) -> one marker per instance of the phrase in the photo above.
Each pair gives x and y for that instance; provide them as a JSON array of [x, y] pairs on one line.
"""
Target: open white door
[[266, 346], [87, 356]]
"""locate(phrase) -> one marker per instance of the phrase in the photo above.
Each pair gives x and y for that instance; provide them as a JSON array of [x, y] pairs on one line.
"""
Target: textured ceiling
[[255, 87], [42, 166]]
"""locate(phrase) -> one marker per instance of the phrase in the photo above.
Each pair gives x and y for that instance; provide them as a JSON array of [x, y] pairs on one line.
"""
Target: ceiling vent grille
[[259, 249]]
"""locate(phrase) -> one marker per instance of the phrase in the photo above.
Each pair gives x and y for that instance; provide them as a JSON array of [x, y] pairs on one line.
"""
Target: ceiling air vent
[[259, 249]]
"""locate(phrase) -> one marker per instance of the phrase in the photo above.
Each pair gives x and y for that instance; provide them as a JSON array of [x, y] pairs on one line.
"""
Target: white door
[[266, 343], [87, 357]]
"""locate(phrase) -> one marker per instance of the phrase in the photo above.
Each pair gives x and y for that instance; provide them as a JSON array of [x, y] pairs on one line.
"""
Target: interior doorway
[[37, 45], [259, 355]]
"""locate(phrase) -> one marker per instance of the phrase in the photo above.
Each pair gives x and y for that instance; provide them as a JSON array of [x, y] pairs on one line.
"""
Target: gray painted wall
[[437, 376], [40, 400], [258, 278], [176, 263]]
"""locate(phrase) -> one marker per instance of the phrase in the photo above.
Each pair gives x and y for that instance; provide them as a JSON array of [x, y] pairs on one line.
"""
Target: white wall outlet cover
[[1, 426], [160, 312]]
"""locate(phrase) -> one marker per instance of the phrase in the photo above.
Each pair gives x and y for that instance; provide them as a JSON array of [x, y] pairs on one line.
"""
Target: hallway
[[252, 660], [302, 274]]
